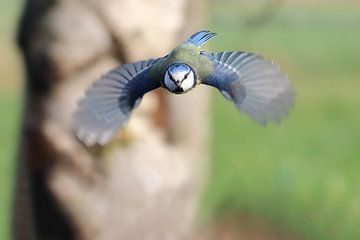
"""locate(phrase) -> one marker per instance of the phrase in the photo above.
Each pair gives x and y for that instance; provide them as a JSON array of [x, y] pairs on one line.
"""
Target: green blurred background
[[303, 175]]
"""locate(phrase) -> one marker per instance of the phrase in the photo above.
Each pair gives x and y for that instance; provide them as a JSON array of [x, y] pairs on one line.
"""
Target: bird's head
[[179, 78]]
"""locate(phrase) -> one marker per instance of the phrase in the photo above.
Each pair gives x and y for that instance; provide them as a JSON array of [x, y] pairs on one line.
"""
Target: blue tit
[[253, 83]]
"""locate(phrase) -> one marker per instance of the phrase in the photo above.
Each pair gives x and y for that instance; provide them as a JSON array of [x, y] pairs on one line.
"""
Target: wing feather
[[253, 83], [108, 103]]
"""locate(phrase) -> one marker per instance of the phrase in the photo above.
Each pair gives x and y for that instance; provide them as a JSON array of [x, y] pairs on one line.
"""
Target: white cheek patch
[[169, 83], [189, 82]]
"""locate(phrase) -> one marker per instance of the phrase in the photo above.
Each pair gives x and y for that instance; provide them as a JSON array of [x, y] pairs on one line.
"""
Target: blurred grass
[[10, 107], [303, 174], [9, 122]]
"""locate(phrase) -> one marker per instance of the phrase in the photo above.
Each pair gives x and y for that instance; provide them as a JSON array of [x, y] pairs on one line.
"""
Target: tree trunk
[[146, 183]]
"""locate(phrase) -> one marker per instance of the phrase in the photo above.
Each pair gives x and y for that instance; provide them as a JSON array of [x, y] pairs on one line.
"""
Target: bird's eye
[[186, 75]]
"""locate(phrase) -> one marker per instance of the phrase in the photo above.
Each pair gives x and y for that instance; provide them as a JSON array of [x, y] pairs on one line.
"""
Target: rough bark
[[146, 183]]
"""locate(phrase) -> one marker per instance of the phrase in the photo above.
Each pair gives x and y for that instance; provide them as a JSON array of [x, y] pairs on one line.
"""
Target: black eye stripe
[[186, 75], [171, 77]]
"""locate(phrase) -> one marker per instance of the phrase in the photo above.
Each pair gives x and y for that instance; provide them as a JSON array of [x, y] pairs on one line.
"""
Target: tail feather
[[199, 38]]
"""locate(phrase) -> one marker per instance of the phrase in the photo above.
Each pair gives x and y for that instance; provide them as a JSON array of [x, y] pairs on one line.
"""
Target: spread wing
[[108, 103], [253, 83]]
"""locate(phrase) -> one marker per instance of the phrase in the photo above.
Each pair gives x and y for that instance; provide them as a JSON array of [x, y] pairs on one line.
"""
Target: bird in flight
[[253, 83]]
